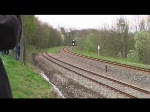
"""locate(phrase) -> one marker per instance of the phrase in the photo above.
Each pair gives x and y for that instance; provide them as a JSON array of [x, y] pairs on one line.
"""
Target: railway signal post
[[98, 49]]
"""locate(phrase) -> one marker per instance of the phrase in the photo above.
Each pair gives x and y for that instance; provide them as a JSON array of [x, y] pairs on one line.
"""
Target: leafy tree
[[30, 27], [37, 34], [142, 46]]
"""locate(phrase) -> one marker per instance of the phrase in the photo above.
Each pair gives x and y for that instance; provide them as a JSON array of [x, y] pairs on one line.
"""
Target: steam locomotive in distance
[[73, 42]]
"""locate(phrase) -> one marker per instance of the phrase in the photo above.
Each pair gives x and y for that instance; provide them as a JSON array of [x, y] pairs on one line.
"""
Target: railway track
[[109, 62], [110, 83]]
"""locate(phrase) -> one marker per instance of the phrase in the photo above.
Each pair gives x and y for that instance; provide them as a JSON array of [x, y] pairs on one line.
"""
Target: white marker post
[[98, 49]]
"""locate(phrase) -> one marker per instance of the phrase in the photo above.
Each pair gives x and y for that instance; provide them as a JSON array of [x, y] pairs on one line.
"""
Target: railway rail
[[109, 62], [94, 76]]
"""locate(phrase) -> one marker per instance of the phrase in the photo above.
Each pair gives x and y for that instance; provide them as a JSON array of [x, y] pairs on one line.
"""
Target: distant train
[[73, 42]]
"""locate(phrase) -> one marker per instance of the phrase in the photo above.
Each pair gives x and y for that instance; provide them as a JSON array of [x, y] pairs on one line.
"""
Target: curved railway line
[[109, 62], [95, 76]]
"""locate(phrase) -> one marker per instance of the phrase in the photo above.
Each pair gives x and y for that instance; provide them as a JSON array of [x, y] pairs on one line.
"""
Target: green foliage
[[88, 44], [112, 41], [81, 44], [56, 39], [55, 49], [69, 35], [40, 34], [142, 45], [30, 27], [25, 80], [91, 43]]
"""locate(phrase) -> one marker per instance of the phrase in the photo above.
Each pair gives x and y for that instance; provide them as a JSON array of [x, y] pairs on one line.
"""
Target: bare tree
[[123, 28]]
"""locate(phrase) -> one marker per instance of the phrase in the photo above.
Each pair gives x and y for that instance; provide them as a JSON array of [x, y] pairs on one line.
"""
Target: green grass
[[55, 49], [25, 80], [128, 61]]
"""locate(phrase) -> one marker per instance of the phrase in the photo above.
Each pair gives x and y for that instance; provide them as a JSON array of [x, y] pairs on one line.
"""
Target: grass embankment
[[129, 61], [25, 80], [55, 49]]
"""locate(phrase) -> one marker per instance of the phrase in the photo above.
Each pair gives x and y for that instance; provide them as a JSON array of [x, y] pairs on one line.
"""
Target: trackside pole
[[98, 49]]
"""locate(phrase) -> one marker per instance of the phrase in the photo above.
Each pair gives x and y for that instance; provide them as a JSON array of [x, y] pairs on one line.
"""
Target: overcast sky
[[84, 21]]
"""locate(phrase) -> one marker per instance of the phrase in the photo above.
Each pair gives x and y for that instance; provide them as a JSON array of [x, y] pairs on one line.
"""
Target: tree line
[[37, 34], [117, 41]]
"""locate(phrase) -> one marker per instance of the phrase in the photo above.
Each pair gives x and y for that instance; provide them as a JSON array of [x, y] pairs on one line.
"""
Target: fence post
[[106, 67]]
